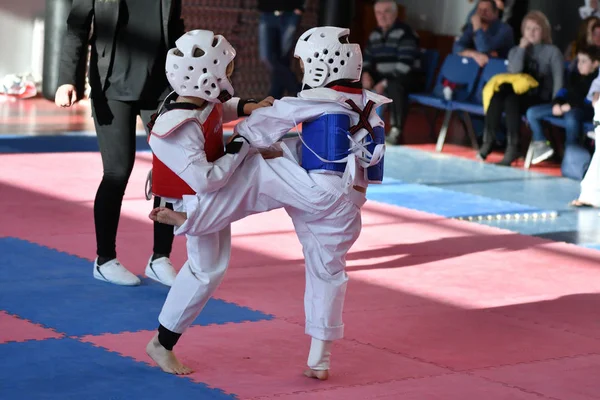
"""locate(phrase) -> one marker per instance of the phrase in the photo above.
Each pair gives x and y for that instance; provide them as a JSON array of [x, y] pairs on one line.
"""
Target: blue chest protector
[[326, 146]]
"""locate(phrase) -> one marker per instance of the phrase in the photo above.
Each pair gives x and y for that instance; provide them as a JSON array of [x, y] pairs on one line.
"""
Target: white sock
[[319, 355]]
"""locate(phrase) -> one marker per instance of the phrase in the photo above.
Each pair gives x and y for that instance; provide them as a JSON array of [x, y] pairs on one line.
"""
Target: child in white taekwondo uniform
[[321, 178], [590, 185], [189, 157]]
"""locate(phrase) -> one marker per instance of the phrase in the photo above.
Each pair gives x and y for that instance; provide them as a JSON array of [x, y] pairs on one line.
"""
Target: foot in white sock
[[319, 359]]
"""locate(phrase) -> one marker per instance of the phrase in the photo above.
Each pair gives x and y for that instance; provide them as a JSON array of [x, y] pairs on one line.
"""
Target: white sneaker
[[591, 135], [161, 270], [113, 272]]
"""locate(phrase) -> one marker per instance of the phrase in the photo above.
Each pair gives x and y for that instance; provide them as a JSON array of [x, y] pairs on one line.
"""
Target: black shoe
[[510, 155], [485, 150]]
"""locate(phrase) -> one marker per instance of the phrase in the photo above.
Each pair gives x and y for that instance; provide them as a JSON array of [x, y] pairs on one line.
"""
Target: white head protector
[[327, 56], [197, 66]]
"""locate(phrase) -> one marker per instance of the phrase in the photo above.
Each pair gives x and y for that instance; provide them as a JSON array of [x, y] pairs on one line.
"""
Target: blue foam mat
[[594, 246], [58, 369], [57, 290], [57, 144], [443, 202]]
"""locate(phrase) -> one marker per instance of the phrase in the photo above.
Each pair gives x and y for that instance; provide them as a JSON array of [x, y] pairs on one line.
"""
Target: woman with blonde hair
[[536, 56]]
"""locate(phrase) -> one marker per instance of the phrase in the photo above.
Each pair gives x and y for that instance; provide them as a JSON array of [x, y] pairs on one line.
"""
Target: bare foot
[[166, 359], [321, 375], [167, 216], [577, 203]]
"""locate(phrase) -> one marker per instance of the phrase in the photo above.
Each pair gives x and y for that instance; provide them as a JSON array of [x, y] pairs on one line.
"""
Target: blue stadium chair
[[474, 105], [460, 70]]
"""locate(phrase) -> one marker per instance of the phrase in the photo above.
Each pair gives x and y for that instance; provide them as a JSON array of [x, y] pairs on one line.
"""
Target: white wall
[[16, 34], [444, 17]]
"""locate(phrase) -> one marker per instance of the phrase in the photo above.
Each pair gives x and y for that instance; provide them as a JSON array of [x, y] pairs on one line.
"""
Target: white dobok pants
[[590, 185], [327, 223], [208, 259]]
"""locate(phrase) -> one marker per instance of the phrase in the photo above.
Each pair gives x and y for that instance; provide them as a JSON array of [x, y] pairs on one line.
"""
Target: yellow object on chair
[[521, 83]]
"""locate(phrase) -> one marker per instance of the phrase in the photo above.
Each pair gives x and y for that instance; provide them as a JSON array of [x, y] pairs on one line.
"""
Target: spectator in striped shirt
[[485, 36], [391, 64]]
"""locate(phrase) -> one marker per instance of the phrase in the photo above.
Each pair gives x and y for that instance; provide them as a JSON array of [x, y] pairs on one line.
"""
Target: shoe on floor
[[393, 136], [114, 272], [592, 135], [161, 270], [541, 151]]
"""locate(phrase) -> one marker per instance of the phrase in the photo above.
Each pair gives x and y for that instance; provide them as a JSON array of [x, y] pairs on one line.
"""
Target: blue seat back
[[494, 67], [460, 70]]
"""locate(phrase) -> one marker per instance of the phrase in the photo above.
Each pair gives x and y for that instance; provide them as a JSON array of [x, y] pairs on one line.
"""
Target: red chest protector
[[165, 183]]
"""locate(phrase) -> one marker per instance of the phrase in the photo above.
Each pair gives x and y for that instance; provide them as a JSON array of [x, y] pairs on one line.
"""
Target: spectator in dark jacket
[[485, 36], [127, 75], [569, 103], [391, 63]]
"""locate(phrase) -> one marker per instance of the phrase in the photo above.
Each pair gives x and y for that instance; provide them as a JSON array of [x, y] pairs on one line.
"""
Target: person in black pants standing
[[279, 21], [129, 42]]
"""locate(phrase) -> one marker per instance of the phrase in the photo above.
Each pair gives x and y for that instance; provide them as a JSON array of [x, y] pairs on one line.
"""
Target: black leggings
[[505, 100], [115, 127]]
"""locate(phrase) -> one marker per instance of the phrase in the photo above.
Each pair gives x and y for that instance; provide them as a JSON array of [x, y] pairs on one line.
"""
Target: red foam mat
[[433, 305], [16, 329]]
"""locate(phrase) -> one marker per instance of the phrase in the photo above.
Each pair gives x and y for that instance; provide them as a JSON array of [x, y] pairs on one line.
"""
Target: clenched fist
[[66, 96]]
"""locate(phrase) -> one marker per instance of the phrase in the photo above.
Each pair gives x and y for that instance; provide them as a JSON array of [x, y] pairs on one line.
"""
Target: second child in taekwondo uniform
[[190, 158]]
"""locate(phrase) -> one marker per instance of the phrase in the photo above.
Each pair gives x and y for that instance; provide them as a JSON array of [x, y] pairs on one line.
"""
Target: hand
[[249, 107], [298, 11], [476, 22], [367, 81], [481, 59], [380, 87], [268, 154], [556, 110], [66, 96], [266, 102], [565, 108], [232, 138], [524, 43]]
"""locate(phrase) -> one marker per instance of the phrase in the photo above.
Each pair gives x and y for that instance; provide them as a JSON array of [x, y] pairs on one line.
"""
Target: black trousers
[[115, 127], [506, 101], [398, 90]]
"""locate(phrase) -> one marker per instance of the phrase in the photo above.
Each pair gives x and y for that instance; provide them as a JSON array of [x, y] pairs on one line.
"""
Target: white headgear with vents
[[197, 66], [327, 56]]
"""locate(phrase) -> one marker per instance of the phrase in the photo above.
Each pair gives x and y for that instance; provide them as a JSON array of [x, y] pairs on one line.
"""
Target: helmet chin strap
[[224, 96]]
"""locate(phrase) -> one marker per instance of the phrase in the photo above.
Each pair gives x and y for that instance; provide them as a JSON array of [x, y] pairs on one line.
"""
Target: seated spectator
[[589, 9], [485, 36], [535, 56], [588, 35], [504, 10], [570, 103], [390, 64]]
